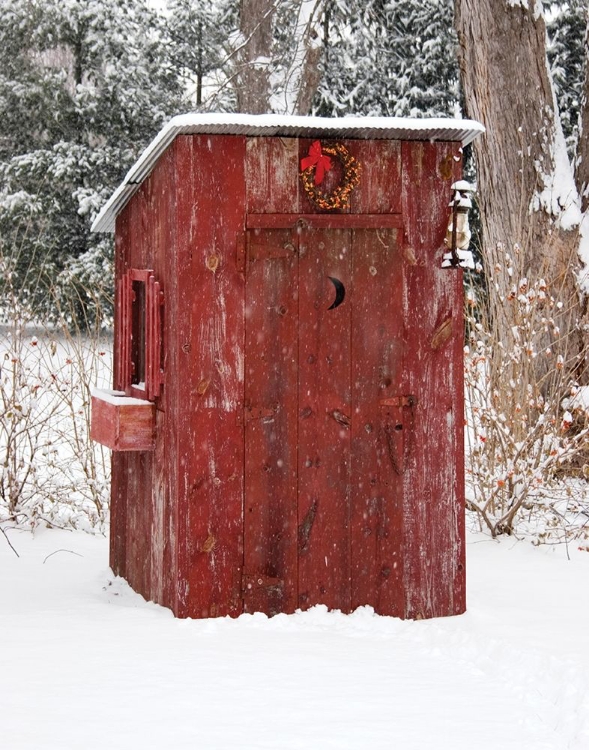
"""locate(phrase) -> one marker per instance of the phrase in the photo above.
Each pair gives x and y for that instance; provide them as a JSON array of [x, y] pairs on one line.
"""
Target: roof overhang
[[385, 128]]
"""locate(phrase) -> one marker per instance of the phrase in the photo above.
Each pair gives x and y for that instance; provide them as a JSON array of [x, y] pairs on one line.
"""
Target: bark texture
[[296, 75], [507, 87], [310, 76], [253, 79], [308, 54]]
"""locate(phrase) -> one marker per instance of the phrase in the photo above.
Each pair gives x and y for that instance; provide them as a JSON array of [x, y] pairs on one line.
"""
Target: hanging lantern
[[458, 233]]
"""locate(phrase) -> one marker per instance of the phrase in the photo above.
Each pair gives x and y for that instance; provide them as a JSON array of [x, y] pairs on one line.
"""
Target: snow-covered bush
[[522, 436]]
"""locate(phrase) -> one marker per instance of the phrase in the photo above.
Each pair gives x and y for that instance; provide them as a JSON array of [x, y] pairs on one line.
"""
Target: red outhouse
[[287, 420]]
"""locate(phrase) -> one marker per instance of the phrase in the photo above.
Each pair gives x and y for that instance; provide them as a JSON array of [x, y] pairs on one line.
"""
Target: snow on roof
[[390, 128]]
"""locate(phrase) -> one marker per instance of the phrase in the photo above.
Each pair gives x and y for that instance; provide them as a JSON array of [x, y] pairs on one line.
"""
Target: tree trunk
[[253, 79], [296, 74], [530, 207], [582, 170], [528, 339], [526, 189], [308, 54]]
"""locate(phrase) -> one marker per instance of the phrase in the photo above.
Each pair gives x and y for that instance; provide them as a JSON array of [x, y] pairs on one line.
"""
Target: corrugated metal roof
[[390, 128]]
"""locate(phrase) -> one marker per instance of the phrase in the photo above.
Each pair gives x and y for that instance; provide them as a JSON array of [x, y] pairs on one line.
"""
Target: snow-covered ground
[[86, 663]]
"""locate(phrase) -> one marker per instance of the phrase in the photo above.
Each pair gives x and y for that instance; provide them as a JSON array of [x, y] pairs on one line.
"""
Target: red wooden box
[[122, 423], [305, 366]]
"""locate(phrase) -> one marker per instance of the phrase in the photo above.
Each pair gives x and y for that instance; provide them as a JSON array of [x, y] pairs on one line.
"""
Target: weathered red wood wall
[[433, 494], [271, 510], [303, 455], [209, 451], [144, 511]]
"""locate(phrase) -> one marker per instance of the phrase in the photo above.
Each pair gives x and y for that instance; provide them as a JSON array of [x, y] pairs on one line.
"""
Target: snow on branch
[[559, 196], [288, 84], [536, 6]]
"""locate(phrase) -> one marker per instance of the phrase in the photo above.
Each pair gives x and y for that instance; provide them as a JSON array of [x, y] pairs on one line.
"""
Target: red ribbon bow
[[320, 161]]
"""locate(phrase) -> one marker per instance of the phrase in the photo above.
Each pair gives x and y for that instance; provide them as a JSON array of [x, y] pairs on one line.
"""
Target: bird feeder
[[286, 416]]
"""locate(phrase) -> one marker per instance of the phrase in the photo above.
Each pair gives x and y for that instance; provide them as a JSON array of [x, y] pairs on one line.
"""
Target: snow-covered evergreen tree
[[389, 57], [566, 24], [82, 89]]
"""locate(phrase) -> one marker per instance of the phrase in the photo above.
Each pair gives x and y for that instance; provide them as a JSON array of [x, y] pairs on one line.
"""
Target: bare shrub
[[524, 356], [50, 470]]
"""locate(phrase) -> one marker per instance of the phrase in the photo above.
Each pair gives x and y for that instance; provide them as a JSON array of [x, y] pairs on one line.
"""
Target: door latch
[[394, 426]]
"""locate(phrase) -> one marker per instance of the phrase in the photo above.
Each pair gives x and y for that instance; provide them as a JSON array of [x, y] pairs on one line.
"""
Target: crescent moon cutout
[[340, 292]]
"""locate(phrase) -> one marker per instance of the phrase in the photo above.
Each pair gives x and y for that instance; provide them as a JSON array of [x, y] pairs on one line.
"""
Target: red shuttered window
[[139, 370]]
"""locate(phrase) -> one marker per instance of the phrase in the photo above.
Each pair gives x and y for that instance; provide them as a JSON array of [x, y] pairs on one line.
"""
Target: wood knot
[[442, 334], [446, 168], [209, 544], [306, 526], [202, 387], [410, 256], [213, 263], [341, 418]]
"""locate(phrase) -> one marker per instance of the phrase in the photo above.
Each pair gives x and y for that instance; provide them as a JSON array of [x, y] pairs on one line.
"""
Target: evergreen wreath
[[317, 163]]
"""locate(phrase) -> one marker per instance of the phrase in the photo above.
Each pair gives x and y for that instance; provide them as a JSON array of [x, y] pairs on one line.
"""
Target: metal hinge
[[257, 412], [271, 251], [251, 583], [399, 401]]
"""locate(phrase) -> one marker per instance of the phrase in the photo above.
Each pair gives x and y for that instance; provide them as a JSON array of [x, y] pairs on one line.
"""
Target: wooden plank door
[[270, 417], [382, 423], [355, 423], [325, 415], [325, 422]]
